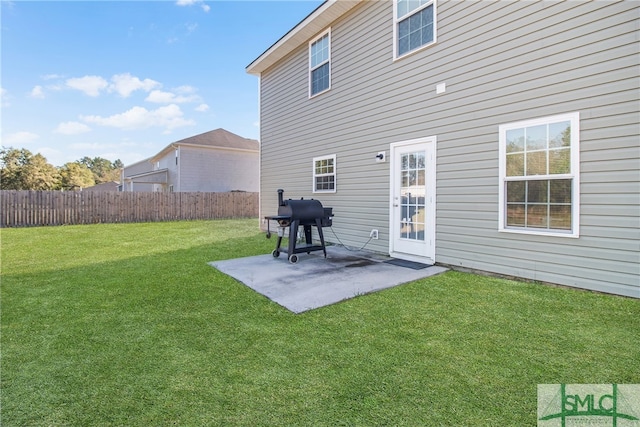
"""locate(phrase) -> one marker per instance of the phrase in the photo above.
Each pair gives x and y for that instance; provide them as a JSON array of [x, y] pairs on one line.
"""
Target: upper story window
[[324, 174], [320, 64], [540, 177], [414, 25]]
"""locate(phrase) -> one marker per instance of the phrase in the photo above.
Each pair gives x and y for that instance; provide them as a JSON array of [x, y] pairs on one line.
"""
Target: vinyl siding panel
[[502, 62], [135, 169], [168, 161], [218, 170]]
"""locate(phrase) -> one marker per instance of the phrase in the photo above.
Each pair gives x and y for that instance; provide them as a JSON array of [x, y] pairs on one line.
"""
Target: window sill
[[412, 52], [569, 234], [319, 93]]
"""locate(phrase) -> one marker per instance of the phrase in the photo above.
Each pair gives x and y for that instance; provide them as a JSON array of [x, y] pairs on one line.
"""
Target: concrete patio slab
[[314, 281]]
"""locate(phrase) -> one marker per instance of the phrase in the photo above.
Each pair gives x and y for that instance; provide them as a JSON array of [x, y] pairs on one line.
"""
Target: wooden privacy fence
[[36, 208]]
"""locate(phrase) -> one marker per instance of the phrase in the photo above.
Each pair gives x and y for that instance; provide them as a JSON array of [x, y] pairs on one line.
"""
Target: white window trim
[[397, 19], [574, 118], [335, 174], [321, 35]]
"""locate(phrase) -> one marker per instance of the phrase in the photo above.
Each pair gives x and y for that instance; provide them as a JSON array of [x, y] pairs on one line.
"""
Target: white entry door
[[412, 210]]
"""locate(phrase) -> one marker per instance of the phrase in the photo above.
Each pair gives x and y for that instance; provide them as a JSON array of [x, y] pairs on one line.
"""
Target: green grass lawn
[[127, 325]]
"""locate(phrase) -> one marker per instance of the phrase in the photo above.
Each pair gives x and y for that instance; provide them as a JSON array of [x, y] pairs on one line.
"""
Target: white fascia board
[[317, 21]]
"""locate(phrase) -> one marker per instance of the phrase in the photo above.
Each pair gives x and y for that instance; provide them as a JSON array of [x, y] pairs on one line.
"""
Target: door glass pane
[[405, 179], [412, 196]]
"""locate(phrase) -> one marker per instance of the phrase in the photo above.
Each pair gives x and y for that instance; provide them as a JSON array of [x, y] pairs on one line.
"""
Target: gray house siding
[[218, 170], [140, 167], [502, 62], [167, 161], [214, 161]]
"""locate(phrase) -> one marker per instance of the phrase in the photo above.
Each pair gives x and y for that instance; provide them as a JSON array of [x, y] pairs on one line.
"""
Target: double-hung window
[[320, 64], [324, 174], [540, 177], [414, 25]]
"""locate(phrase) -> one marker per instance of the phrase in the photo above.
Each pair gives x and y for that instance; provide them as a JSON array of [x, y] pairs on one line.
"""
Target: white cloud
[[19, 138], [202, 108], [72, 128], [186, 89], [160, 97], [37, 92], [125, 84], [55, 87], [257, 124], [191, 28], [51, 77], [90, 85], [168, 117], [201, 3]]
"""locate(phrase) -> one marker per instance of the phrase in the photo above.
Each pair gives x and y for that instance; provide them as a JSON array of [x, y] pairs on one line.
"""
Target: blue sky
[[123, 79]]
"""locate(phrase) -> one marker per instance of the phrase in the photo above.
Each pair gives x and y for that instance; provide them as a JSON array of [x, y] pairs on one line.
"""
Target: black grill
[[293, 214]]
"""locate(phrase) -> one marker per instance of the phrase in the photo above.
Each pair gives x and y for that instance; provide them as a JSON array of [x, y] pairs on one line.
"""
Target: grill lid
[[301, 209]]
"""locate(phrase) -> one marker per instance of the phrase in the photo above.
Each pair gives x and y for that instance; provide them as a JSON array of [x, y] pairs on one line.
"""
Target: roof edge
[[313, 24], [180, 143], [217, 147]]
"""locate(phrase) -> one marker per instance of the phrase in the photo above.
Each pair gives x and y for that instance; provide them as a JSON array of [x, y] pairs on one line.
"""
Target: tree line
[[22, 170]]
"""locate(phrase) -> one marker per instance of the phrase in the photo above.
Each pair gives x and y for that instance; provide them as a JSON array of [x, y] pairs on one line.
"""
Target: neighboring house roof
[[219, 138], [105, 186], [159, 176], [315, 22], [205, 145]]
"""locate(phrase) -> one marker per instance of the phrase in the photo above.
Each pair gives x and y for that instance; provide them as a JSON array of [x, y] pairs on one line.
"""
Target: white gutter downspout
[[259, 147], [178, 161]]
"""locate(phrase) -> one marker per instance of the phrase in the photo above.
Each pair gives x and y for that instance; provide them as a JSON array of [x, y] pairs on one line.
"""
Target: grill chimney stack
[[280, 197]]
